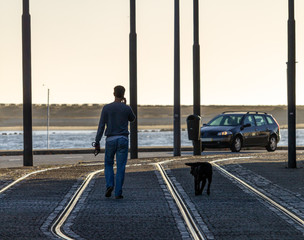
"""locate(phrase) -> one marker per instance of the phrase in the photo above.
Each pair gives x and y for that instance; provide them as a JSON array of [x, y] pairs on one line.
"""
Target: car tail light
[[276, 123]]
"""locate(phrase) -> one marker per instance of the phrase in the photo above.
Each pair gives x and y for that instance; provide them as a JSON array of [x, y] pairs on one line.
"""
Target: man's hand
[[97, 148], [124, 100]]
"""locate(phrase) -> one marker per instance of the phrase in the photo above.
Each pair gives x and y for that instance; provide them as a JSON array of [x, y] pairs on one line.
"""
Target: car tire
[[236, 144], [272, 144]]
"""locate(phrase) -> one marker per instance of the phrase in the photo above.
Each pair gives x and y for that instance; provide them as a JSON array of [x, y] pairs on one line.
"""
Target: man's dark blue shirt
[[115, 116]]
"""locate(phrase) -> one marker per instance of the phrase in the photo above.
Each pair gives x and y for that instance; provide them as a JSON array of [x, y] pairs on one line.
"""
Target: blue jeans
[[120, 148]]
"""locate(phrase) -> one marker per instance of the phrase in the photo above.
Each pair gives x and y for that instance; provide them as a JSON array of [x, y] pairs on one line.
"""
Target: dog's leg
[[196, 186], [209, 183], [203, 185]]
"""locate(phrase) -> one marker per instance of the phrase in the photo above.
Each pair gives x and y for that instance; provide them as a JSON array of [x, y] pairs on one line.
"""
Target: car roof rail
[[233, 112], [256, 112]]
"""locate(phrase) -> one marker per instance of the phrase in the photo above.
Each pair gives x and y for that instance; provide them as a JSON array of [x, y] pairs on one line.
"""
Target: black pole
[[291, 87], [177, 127], [27, 88], [197, 148], [133, 80]]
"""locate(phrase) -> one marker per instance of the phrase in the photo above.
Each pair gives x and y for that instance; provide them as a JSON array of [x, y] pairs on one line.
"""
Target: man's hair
[[119, 91]]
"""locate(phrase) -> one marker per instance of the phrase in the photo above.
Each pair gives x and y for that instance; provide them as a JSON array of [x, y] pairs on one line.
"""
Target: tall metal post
[[291, 87], [177, 117], [133, 80], [27, 86], [197, 148], [48, 119]]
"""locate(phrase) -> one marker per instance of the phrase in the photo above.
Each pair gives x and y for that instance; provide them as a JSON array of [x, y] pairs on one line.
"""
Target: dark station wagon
[[241, 129]]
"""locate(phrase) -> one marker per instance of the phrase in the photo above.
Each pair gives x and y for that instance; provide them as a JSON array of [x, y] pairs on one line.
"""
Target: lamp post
[[197, 147], [291, 87], [47, 117], [27, 86], [177, 117], [133, 80]]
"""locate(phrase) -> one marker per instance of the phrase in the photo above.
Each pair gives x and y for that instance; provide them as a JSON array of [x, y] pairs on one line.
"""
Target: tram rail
[[194, 229], [190, 222], [2, 190], [192, 226], [56, 227], [268, 199]]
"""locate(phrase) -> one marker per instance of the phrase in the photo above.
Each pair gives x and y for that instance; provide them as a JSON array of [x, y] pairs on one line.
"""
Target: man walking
[[115, 116]]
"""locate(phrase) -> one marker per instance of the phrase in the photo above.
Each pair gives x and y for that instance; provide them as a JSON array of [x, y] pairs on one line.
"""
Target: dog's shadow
[[201, 171]]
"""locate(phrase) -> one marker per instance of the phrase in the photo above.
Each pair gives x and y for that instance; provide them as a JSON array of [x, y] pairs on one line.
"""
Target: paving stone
[[230, 213], [147, 212], [142, 214]]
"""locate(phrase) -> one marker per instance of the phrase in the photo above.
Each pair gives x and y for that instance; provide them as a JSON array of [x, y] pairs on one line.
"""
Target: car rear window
[[270, 120]]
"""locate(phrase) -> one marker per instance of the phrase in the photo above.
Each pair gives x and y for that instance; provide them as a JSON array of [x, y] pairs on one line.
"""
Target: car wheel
[[272, 144], [236, 144]]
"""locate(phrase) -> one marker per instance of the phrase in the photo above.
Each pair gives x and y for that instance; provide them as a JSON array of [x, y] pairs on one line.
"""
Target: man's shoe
[[109, 191], [119, 197]]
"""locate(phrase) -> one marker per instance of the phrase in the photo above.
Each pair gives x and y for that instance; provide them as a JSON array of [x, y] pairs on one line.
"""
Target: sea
[[65, 139]]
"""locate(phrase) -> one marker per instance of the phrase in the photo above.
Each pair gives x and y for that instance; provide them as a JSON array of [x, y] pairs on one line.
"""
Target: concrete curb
[[85, 150], [140, 149]]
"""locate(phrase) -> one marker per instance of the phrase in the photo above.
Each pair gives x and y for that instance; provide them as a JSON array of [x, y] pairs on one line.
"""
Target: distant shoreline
[[94, 128], [86, 116], [68, 128]]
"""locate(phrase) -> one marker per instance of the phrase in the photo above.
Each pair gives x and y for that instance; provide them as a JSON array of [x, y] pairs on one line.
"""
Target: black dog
[[201, 171]]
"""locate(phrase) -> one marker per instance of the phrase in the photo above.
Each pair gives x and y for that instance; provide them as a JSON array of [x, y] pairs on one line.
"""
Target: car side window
[[249, 119], [260, 120], [239, 119], [216, 122], [270, 120], [231, 120]]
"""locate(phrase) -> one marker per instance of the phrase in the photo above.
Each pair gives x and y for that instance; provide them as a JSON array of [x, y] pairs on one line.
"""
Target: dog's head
[[193, 166]]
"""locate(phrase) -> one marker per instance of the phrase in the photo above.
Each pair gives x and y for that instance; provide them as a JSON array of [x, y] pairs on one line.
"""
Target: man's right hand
[[97, 148], [124, 100]]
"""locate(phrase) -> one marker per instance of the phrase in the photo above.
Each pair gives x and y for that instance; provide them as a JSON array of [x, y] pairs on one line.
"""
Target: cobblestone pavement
[[25, 207], [142, 214], [147, 211], [232, 212]]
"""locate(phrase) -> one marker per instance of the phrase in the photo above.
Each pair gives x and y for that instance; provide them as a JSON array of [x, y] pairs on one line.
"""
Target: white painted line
[[14, 160]]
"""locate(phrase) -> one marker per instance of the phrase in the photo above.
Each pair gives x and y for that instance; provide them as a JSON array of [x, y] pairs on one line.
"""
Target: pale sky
[[80, 50]]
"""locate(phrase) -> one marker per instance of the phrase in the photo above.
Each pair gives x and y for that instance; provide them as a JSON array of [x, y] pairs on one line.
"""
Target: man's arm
[[131, 116], [101, 127]]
